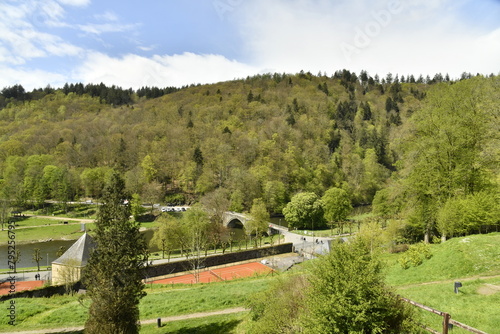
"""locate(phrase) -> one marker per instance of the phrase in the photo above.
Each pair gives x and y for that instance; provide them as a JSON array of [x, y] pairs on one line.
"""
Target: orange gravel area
[[220, 274], [20, 286]]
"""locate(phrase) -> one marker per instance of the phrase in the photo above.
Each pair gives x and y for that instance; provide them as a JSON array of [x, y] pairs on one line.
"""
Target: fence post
[[446, 321]]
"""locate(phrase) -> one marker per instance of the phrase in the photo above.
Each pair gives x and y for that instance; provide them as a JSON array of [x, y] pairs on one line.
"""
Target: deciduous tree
[[37, 257], [304, 211], [347, 294], [258, 224], [336, 206]]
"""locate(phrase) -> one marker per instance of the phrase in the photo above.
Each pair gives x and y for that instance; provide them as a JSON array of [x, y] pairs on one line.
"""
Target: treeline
[[112, 95], [117, 95], [265, 137]]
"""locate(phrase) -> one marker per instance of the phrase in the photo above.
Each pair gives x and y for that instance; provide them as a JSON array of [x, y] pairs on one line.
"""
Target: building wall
[[63, 274]]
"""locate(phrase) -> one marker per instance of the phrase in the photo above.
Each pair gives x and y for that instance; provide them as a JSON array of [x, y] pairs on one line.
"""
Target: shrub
[[415, 255]]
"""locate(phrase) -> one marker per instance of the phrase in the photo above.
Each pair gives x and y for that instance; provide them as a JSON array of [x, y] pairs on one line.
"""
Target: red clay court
[[220, 274], [20, 286]]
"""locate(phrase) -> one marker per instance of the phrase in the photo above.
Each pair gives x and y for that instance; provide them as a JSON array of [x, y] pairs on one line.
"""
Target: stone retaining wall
[[217, 260], [168, 268]]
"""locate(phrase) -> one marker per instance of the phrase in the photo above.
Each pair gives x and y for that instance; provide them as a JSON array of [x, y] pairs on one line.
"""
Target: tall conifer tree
[[114, 272]]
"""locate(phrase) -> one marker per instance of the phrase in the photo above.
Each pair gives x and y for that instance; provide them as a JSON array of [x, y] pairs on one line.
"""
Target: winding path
[[145, 322]]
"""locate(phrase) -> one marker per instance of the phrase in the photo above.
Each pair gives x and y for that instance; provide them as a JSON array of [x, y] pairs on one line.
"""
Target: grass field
[[219, 324], [465, 259], [456, 258], [476, 304], [472, 260], [56, 231], [161, 301]]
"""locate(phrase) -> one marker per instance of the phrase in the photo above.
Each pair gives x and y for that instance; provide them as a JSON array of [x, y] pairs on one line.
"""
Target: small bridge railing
[[278, 227]]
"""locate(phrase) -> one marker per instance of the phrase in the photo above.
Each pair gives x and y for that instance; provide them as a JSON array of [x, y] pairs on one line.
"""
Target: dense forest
[[424, 150]]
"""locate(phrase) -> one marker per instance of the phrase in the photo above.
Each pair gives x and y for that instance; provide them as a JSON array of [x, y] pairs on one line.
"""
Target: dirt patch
[[20, 286], [488, 289], [220, 274]]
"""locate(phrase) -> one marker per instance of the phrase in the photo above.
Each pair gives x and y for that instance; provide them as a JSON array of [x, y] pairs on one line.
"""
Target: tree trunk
[[427, 237]]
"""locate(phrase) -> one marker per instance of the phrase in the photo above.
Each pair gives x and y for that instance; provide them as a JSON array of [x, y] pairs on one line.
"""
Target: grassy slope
[[456, 258], [430, 284], [472, 260], [221, 324], [67, 311]]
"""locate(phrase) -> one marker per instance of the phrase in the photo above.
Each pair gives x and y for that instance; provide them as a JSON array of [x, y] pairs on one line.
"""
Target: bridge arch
[[234, 219], [235, 223]]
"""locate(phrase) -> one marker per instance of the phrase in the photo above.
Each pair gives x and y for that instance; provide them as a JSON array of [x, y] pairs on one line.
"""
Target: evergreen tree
[[250, 97], [114, 272]]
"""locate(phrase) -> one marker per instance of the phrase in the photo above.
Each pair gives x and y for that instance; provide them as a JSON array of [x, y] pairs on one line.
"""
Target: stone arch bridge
[[238, 220], [234, 219]]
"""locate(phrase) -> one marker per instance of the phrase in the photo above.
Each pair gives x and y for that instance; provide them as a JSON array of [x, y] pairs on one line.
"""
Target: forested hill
[[268, 136]]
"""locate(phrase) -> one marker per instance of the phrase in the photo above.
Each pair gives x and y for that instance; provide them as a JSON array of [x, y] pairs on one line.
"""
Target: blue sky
[[173, 42]]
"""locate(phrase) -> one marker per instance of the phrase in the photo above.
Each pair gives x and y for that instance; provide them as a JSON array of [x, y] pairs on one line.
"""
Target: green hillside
[[425, 142], [473, 261], [466, 257]]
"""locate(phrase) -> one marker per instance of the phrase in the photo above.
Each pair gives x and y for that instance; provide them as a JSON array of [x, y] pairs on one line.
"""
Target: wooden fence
[[447, 321]]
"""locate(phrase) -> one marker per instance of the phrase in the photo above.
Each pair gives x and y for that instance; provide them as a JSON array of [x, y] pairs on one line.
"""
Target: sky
[[132, 43]]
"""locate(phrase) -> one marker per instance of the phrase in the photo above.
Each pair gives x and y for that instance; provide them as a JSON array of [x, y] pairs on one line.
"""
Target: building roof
[[79, 253]]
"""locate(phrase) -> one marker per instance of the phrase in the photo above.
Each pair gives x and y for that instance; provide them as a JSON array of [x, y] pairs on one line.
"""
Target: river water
[[48, 249], [48, 252]]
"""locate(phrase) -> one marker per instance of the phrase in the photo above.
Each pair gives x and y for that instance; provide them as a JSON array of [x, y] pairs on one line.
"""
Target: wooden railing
[[447, 321]]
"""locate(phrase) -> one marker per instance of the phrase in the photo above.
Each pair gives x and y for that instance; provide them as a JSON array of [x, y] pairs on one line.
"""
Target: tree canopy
[[304, 211], [426, 141]]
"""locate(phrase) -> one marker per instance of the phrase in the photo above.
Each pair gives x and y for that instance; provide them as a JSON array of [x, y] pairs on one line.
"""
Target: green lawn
[[431, 284], [161, 301], [456, 258], [27, 221], [476, 304], [55, 231], [220, 324]]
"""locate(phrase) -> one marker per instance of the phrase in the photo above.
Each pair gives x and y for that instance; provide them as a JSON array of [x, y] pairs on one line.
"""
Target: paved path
[[26, 276], [145, 322]]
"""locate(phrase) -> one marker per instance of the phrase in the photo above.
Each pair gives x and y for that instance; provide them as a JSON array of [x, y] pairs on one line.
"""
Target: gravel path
[[144, 322]]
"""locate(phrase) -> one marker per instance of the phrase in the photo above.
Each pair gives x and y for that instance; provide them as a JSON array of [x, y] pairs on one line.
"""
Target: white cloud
[[76, 3], [380, 36], [177, 70], [30, 78], [100, 28], [20, 40], [107, 16], [397, 36]]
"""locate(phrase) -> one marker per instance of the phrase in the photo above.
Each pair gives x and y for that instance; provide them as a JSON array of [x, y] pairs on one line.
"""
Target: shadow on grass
[[213, 328], [73, 332]]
